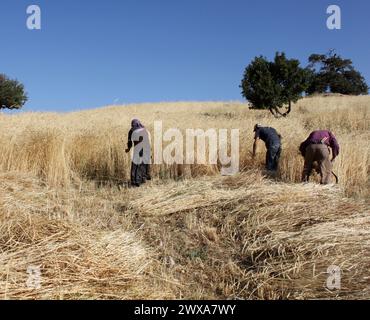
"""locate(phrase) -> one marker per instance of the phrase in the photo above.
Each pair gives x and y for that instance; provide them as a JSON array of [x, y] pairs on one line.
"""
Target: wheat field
[[190, 233]]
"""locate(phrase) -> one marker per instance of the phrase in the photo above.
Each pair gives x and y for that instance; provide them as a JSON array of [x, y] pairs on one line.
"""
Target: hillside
[[190, 233]]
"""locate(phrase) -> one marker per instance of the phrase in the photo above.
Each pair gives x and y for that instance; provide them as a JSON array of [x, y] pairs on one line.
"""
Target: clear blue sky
[[91, 53]]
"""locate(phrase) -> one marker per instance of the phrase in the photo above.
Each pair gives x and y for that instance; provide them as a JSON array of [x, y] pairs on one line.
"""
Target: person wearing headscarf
[[138, 137]]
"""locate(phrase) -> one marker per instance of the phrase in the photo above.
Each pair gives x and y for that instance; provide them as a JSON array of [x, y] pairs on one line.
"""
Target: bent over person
[[316, 148], [139, 137], [272, 140]]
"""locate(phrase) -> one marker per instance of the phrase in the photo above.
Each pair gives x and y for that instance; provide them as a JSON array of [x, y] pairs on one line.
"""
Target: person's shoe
[[135, 185], [271, 173]]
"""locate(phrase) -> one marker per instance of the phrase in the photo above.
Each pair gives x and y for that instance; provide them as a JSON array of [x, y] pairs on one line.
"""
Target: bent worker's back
[[316, 149], [272, 140], [269, 135]]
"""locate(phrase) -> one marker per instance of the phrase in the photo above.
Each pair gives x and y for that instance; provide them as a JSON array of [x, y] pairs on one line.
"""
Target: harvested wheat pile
[[75, 262], [251, 238], [240, 237]]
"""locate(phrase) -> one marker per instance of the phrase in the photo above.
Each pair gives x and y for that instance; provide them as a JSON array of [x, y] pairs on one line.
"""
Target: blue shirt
[[268, 135]]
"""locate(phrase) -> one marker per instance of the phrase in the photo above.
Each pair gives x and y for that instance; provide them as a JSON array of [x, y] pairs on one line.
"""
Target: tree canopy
[[274, 85], [12, 94], [331, 73]]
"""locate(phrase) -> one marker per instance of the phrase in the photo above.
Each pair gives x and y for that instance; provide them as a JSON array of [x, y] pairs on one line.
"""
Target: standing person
[[139, 137], [316, 148], [272, 141]]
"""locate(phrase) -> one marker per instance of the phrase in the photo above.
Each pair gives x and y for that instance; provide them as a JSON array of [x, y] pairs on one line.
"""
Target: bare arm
[[255, 147], [334, 146], [129, 142]]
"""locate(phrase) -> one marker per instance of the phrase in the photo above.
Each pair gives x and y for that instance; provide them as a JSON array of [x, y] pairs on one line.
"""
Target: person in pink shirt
[[316, 148]]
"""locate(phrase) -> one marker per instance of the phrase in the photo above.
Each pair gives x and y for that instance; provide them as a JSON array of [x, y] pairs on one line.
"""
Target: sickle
[[336, 177]]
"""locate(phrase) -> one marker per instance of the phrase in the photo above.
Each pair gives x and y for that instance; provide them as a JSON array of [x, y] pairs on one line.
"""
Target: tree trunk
[[289, 108], [277, 114], [274, 112]]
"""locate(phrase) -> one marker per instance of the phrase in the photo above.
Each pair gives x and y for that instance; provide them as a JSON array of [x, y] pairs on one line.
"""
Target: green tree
[[332, 73], [12, 94], [274, 85]]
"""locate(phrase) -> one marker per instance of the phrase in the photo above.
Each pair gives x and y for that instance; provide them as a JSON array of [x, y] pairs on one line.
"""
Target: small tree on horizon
[[274, 85], [12, 94], [331, 73]]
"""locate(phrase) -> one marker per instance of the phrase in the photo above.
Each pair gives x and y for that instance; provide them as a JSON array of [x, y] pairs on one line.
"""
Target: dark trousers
[[272, 157], [140, 173]]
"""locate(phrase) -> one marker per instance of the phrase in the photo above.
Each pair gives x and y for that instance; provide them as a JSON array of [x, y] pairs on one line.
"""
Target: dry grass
[[245, 237], [79, 257], [207, 237]]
